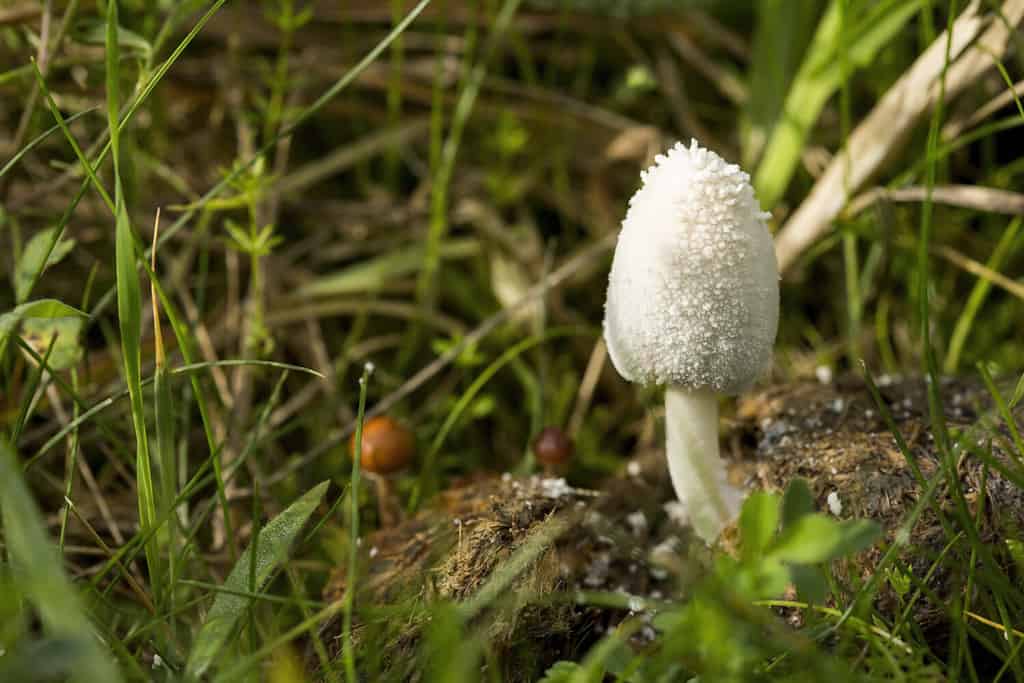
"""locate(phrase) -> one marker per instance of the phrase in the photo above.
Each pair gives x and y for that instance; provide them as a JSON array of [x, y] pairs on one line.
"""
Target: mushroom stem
[[697, 471]]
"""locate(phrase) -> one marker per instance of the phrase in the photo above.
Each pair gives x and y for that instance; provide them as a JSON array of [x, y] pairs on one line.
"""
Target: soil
[[630, 540]]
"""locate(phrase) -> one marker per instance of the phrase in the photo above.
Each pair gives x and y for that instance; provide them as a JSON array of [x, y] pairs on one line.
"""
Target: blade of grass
[[163, 409], [273, 542], [820, 75], [35, 142], [348, 646], [129, 306], [428, 474], [977, 297], [41, 576], [446, 164]]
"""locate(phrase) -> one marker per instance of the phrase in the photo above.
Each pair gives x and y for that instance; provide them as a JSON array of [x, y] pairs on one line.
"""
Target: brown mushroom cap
[[388, 445], [552, 446]]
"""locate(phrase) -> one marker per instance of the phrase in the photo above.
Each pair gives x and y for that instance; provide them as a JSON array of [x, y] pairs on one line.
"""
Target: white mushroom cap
[[693, 294]]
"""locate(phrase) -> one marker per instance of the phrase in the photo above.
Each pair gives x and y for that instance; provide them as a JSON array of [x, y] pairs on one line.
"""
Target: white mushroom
[[693, 303]]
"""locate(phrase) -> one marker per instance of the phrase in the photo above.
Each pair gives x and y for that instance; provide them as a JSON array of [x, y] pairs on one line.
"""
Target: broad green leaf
[[31, 262], [797, 501], [759, 520], [272, 547], [43, 308], [817, 538], [67, 351], [811, 586], [561, 672], [37, 569]]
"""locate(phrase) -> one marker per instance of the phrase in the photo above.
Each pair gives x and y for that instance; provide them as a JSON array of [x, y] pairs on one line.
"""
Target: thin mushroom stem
[[697, 471]]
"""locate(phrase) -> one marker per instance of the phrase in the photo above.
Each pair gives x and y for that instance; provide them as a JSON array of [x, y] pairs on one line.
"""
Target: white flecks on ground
[[637, 522], [665, 553], [373, 552], [597, 571], [835, 506], [555, 488], [838, 405], [824, 374], [633, 469], [676, 512]]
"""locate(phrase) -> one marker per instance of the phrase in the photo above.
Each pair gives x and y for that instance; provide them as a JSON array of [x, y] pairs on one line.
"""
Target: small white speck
[[637, 522], [835, 506], [157, 660], [457, 522], [373, 552], [824, 374], [838, 405], [676, 511], [636, 604], [555, 488], [633, 468], [506, 476], [369, 367]]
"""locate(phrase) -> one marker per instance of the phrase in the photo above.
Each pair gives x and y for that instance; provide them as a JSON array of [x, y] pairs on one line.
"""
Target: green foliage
[[40, 578], [251, 572], [47, 309], [31, 263], [854, 41]]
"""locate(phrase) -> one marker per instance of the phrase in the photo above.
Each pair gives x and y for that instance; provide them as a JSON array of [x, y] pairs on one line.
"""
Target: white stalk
[[697, 471]]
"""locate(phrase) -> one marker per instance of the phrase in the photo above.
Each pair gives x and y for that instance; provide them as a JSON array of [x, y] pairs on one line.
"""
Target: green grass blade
[[86, 166], [274, 541], [36, 141], [129, 306], [41, 577], [977, 297], [348, 647], [819, 77]]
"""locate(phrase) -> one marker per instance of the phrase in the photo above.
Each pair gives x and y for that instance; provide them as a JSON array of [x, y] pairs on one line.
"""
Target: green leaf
[[94, 33], [31, 262], [561, 672], [759, 520], [43, 308], [67, 351], [37, 569], [816, 538], [796, 502], [820, 76], [272, 546], [371, 275], [811, 586]]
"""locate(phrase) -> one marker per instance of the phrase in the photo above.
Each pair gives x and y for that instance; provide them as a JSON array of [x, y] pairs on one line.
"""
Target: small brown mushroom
[[553, 449], [388, 447]]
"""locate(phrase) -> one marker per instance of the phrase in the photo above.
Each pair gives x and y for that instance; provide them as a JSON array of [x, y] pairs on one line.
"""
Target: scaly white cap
[[693, 294]]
